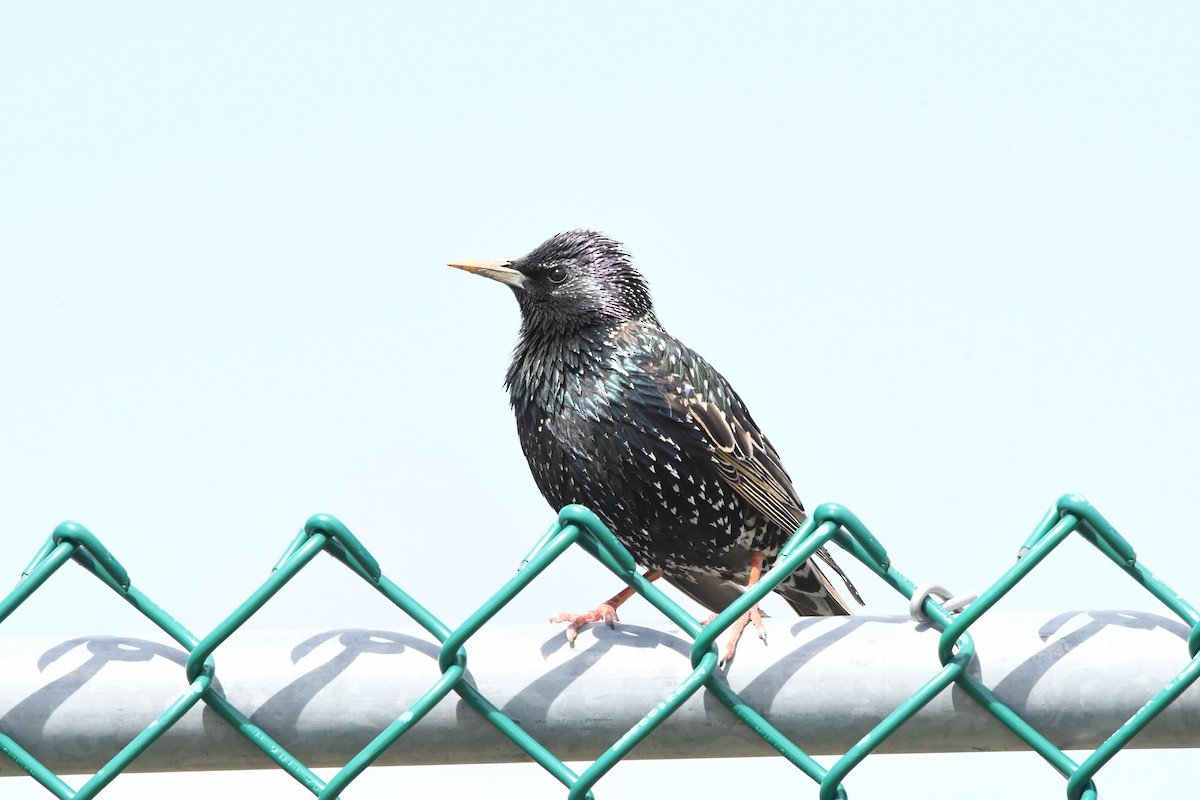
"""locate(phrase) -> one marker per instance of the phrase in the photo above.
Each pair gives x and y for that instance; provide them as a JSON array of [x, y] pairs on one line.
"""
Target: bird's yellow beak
[[496, 270]]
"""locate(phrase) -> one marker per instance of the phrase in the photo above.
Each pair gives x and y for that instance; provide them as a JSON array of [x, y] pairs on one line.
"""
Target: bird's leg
[[753, 615], [606, 611]]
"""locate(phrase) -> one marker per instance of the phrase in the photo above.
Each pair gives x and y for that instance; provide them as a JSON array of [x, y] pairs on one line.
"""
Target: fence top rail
[[963, 676]]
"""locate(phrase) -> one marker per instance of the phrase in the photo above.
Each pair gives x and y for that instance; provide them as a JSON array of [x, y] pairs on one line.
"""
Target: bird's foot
[[735, 632], [605, 612]]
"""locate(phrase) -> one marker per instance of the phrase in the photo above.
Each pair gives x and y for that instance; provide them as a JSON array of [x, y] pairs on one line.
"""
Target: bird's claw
[[735, 632], [605, 613]]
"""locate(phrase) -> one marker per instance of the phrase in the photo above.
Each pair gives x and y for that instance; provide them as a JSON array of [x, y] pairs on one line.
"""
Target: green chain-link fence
[[577, 526]]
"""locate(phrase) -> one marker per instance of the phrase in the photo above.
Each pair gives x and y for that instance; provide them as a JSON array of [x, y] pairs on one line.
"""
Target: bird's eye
[[557, 275]]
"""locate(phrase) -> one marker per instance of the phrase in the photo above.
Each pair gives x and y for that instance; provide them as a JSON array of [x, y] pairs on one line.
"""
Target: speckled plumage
[[615, 413]]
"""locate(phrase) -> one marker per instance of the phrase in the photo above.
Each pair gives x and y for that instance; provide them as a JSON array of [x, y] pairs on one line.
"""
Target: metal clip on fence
[[577, 525]]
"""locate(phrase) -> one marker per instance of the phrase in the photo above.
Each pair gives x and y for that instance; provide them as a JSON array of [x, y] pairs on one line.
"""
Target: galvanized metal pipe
[[823, 682]]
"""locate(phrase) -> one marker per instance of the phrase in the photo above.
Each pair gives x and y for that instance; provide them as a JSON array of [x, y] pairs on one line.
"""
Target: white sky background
[[946, 254]]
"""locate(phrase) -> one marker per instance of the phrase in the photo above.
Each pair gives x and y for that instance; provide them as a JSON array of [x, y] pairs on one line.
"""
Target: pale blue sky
[[946, 253]]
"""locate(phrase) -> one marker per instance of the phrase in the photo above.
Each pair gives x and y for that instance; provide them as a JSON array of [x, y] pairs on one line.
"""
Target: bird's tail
[[811, 594]]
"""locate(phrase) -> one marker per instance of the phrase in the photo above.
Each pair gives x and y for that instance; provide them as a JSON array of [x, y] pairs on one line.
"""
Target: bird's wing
[[746, 459], [712, 419], [716, 420]]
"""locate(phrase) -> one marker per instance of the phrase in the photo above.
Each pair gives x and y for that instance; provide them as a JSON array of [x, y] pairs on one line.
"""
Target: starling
[[617, 414]]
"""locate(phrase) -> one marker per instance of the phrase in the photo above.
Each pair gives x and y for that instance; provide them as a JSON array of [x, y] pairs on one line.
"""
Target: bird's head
[[571, 281]]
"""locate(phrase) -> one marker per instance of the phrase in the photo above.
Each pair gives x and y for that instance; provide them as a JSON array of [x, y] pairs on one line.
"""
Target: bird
[[616, 414]]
